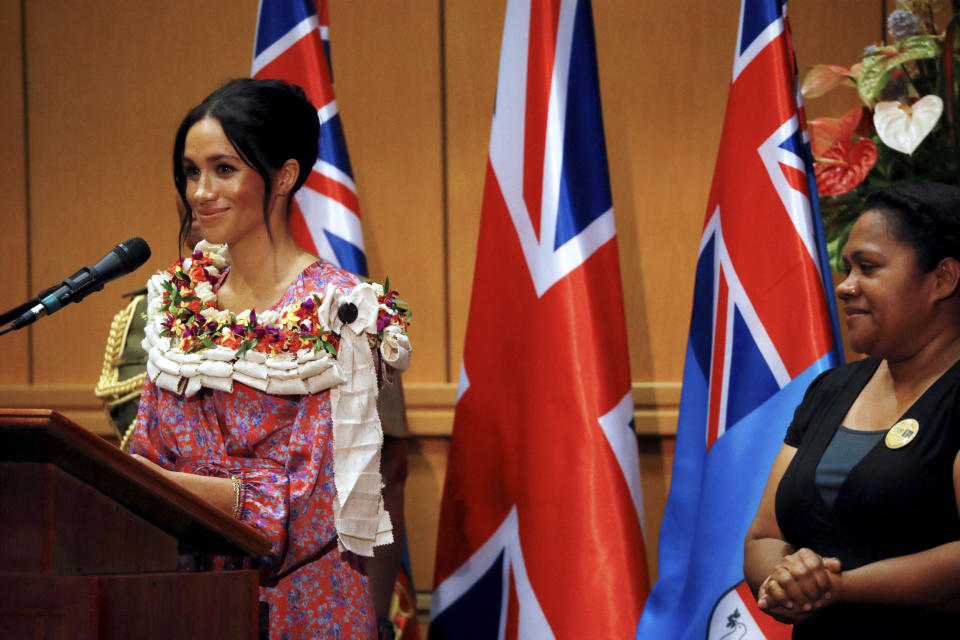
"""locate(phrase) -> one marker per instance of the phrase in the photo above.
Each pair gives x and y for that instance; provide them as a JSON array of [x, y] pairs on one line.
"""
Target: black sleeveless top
[[894, 502]]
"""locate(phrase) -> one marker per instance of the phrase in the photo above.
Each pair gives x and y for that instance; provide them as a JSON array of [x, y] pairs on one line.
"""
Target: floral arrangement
[[191, 319], [907, 128]]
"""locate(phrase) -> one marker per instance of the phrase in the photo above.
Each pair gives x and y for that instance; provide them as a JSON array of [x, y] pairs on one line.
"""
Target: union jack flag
[[292, 44], [540, 526], [762, 327]]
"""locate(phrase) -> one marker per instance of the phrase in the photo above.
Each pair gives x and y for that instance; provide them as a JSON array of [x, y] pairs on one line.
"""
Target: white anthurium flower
[[204, 291], [365, 299], [903, 127]]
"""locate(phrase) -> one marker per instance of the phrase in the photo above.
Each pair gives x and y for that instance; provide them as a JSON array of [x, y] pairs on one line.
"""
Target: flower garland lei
[[192, 321]]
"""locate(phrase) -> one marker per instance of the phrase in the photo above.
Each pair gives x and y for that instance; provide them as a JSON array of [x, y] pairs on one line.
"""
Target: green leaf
[[207, 342], [386, 284], [244, 347], [878, 65], [330, 348]]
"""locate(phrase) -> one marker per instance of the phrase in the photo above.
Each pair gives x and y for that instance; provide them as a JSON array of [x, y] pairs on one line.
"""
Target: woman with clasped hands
[[858, 533]]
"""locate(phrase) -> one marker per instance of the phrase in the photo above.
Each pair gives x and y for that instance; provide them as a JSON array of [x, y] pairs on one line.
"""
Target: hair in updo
[[267, 121], [925, 215]]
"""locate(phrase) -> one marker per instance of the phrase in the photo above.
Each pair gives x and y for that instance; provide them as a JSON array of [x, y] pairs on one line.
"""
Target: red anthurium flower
[[824, 132], [824, 77], [844, 165]]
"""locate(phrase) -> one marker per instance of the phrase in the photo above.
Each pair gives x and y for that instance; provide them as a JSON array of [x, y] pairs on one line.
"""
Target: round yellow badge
[[902, 433]]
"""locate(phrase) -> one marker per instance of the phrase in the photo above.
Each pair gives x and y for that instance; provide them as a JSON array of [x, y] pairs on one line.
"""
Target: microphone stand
[[11, 315]]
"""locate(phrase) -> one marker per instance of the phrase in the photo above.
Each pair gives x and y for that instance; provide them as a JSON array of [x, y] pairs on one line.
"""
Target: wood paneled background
[[93, 92]]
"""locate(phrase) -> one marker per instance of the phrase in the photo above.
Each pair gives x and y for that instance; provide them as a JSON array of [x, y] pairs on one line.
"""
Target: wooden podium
[[90, 541]]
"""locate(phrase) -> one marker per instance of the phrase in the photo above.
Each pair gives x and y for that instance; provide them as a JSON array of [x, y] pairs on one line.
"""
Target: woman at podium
[[264, 363]]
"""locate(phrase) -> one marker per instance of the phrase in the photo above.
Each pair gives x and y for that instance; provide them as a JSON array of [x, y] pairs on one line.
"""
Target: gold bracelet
[[237, 485]]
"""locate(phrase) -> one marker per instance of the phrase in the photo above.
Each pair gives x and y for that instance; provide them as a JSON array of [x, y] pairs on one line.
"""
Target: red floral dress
[[282, 449]]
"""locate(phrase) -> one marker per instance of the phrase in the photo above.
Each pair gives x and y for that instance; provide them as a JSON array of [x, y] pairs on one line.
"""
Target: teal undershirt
[[846, 449]]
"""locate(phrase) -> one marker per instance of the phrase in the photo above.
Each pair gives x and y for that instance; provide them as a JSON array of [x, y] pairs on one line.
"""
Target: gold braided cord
[[109, 383], [127, 436], [133, 395]]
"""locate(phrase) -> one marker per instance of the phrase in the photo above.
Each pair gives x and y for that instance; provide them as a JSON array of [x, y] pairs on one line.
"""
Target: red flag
[[540, 527]]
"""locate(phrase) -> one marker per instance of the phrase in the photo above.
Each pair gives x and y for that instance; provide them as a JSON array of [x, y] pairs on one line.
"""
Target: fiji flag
[[292, 45], [540, 528], [762, 328]]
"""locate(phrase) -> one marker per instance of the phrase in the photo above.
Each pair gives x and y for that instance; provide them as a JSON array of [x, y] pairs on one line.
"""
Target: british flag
[[540, 527], [762, 327], [292, 44]]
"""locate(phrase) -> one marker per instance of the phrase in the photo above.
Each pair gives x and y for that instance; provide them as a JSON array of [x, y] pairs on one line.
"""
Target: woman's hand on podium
[[219, 492]]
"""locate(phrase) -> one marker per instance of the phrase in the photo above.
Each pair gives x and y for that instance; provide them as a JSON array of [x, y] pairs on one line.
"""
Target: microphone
[[122, 259]]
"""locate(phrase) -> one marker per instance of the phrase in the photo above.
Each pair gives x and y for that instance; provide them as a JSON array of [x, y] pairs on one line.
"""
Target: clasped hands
[[801, 584]]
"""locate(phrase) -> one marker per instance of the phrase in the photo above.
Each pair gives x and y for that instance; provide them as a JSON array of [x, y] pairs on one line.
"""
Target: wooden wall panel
[[108, 82], [664, 76], [386, 57], [472, 33], [14, 348]]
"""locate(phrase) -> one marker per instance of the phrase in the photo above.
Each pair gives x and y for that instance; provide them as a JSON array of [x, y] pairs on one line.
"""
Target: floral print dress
[[281, 447]]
